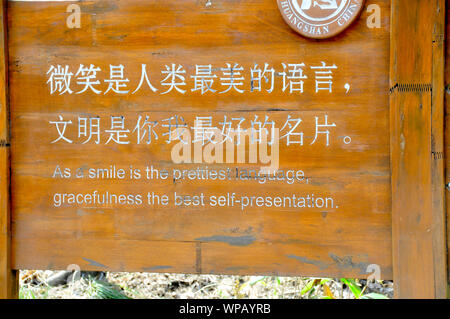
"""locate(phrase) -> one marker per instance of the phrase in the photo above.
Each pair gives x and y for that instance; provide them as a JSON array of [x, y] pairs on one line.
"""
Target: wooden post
[[417, 148], [8, 278]]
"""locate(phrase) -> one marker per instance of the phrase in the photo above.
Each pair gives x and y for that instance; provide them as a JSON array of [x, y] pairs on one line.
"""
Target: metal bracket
[[411, 87]]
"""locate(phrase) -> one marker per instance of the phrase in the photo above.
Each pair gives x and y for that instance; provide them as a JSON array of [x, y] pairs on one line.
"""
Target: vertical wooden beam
[[447, 133], [8, 278], [417, 148], [438, 148]]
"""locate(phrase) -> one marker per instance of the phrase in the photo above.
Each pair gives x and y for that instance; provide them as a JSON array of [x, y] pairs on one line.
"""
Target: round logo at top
[[320, 19]]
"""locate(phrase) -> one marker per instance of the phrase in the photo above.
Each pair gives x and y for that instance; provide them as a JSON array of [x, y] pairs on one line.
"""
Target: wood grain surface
[[447, 127], [417, 160], [338, 242], [8, 278]]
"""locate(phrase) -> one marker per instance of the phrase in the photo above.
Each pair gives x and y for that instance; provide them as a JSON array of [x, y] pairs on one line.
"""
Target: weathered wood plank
[[416, 150], [447, 130], [114, 255], [438, 148], [344, 238], [8, 279]]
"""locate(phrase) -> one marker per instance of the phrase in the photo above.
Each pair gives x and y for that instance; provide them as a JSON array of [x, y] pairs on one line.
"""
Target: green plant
[[104, 290], [313, 286], [26, 293], [314, 283], [373, 296], [354, 287]]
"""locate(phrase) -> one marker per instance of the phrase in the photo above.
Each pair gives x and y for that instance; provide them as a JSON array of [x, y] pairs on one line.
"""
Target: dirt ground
[[34, 285]]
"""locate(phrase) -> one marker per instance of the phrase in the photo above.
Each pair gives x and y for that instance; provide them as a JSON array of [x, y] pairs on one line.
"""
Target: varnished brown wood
[[369, 179], [447, 131], [8, 279], [438, 149], [418, 223], [336, 242], [299, 18]]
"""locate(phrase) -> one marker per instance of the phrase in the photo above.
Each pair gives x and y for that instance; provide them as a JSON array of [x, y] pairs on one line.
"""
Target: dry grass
[[146, 285]]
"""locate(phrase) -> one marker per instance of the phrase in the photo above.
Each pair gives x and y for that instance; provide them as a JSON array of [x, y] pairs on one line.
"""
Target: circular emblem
[[320, 19]]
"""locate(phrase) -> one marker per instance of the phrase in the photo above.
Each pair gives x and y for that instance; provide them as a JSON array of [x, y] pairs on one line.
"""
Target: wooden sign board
[[101, 115]]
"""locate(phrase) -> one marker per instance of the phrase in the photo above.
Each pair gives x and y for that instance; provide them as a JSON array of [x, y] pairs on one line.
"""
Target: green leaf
[[324, 280], [258, 279], [107, 291], [353, 286], [374, 296], [308, 287]]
